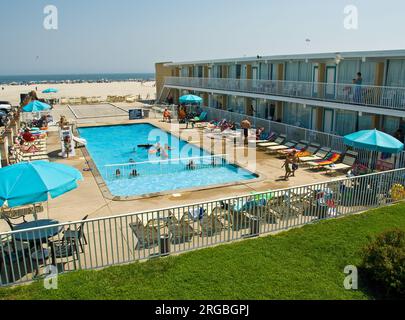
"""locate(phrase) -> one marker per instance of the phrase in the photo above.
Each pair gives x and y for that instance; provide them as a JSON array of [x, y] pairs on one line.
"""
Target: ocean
[[76, 78]]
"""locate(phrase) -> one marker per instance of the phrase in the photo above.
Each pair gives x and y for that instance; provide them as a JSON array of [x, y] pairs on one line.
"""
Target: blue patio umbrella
[[50, 90], [31, 182], [374, 140], [36, 106], [190, 99]]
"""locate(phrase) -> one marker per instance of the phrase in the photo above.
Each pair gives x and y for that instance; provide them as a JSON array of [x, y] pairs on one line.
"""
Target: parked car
[[3, 115], [5, 105]]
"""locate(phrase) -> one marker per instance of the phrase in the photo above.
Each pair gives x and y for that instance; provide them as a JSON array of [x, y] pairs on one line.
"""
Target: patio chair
[[77, 236], [288, 145], [180, 231], [11, 254], [147, 236], [279, 141], [319, 155], [265, 138], [202, 118]]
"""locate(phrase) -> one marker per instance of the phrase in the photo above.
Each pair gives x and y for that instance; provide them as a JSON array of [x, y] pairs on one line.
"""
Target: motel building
[[313, 91]]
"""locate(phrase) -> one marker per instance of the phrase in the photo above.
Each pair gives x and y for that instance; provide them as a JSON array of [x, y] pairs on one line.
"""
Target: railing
[[336, 143], [158, 167], [92, 244], [372, 96]]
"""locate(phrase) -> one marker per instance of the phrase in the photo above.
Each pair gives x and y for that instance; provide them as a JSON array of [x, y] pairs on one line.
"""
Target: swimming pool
[[115, 148]]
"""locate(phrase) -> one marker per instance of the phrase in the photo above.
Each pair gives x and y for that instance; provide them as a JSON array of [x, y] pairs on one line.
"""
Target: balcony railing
[[372, 96]]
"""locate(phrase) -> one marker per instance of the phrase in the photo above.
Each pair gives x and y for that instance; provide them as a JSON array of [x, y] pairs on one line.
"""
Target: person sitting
[[167, 116], [182, 116], [28, 136], [259, 132]]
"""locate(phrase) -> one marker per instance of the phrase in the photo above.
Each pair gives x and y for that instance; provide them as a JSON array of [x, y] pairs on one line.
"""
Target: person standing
[[358, 87], [288, 167], [295, 162], [246, 126]]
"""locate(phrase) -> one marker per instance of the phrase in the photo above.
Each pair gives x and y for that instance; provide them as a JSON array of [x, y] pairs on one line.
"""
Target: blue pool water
[[116, 147]]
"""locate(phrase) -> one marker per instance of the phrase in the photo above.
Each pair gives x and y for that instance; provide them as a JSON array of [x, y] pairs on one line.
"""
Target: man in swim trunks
[[246, 125]]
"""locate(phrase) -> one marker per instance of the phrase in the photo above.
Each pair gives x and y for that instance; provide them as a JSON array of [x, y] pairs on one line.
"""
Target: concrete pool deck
[[88, 199]]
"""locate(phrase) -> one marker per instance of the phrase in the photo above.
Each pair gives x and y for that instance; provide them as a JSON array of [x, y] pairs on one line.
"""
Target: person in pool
[[131, 161], [117, 173], [134, 173]]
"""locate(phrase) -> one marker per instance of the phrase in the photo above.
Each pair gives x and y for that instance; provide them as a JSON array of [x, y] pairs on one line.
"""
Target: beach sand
[[12, 93]]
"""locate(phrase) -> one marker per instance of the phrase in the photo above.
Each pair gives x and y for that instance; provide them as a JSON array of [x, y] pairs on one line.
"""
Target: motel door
[[315, 79], [330, 82], [328, 121]]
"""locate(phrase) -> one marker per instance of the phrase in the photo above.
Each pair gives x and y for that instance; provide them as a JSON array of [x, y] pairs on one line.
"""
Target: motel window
[[292, 71], [238, 71], [396, 73], [347, 71], [391, 124], [345, 122], [366, 122], [368, 70], [297, 115]]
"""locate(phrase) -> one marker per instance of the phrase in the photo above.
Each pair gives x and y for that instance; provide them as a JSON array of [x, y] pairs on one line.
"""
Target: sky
[[124, 36]]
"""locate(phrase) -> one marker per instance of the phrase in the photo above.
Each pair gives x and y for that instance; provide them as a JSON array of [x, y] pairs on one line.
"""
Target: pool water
[[116, 147]]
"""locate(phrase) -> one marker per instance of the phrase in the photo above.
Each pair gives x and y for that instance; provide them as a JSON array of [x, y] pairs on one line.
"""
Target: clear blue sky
[[131, 35]]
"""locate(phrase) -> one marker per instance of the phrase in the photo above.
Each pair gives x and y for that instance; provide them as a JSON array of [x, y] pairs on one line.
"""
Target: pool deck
[[88, 199]]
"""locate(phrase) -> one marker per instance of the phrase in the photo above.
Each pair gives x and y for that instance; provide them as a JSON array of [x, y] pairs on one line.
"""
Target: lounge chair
[[202, 118], [319, 155], [264, 138], [301, 146], [347, 163], [235, 215], [332, 158], [312, 149], [180, 231], [278, 142], [210, 225], [147, 236], [286, 146]]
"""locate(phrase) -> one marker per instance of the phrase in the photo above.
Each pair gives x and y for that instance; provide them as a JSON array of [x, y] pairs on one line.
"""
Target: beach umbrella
[[32, 182], [374, 140], [50, 90], [36, 106], [190, 99]]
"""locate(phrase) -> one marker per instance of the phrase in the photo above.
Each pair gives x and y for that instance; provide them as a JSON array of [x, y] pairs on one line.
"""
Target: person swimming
[[145, 146], [131, 161], [134, 173], [117, 173]]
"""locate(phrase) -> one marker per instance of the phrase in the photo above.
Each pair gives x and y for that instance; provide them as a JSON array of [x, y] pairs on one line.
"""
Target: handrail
[[373, 96]]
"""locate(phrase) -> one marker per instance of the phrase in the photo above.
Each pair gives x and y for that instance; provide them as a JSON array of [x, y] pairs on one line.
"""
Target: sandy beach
[[12, 93]]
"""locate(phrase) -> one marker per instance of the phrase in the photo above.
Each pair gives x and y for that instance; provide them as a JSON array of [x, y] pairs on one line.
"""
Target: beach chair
[[147, 236], [286, 146], [180, 231], [264, 138], [301, 146], [347, 163], [277, 142], [319, 155], [331, 159], [234, 215]]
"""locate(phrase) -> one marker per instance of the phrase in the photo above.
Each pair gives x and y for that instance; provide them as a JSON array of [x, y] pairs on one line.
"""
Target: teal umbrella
[[50, 90], [374, 140], [31, 182], [36, 106], [190, 99]]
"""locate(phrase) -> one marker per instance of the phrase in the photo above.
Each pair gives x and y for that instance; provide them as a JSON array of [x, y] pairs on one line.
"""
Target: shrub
[[384, 263]]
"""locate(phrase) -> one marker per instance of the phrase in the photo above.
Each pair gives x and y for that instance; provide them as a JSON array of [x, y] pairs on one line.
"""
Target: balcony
[[350, 94]]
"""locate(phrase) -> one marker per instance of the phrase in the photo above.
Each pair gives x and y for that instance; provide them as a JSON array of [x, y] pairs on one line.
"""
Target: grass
[[305, 263]]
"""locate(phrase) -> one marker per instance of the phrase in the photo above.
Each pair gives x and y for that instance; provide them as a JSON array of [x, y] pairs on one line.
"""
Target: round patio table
[[37, 235]]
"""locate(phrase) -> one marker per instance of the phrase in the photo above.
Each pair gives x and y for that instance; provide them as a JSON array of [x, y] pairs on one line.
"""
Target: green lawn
[[305, 263]]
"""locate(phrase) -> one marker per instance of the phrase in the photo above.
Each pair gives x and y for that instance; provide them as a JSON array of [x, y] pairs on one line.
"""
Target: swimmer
[[131, 161], [168, 148], [191, 165], [118, 173], [134, 173], [145, 146]]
